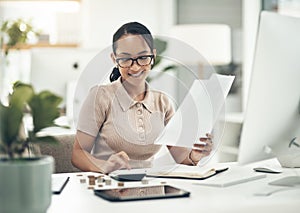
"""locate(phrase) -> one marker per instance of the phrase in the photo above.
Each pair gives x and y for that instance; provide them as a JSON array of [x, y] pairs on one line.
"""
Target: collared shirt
[[120, 123]]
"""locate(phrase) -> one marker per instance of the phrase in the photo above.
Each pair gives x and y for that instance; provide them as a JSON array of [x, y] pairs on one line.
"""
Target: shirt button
[[141, 128], [138, 105], [139, 112], [140, 120], [142, 136]]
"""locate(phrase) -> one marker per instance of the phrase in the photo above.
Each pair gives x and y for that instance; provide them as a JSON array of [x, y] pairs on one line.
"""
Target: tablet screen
[[141, 193]]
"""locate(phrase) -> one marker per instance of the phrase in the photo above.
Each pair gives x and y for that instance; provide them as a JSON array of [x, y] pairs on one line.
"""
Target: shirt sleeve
[[93, 111]]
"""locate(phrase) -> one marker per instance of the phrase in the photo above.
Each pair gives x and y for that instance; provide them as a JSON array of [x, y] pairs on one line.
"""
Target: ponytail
[[115, 74]]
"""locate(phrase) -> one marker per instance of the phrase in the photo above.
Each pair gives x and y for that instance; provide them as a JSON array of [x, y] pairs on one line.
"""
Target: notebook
[[193, 175]]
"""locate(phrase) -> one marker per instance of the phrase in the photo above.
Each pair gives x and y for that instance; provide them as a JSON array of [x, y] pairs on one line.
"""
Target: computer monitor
[[272, 113], [58, 69]]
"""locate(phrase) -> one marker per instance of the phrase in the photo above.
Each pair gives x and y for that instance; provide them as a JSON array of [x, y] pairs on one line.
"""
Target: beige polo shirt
[[121, 124]]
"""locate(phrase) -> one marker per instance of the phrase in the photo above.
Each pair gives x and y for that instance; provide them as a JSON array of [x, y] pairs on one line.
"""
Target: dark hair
[[133, 28]]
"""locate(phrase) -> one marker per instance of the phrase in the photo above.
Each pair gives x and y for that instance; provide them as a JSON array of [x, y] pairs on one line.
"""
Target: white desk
[[238, 198]]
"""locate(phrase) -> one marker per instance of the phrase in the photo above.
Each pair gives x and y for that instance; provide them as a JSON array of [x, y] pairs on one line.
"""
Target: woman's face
[[133, 46]]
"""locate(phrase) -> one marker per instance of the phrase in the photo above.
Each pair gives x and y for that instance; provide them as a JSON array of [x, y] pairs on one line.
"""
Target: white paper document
[[198, 112]]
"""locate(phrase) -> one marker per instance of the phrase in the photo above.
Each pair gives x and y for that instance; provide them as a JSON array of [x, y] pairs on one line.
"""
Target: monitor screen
[[272, 112]]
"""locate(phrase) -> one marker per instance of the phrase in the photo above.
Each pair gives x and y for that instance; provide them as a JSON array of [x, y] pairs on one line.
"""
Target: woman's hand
[[117, 161], [202, 149]]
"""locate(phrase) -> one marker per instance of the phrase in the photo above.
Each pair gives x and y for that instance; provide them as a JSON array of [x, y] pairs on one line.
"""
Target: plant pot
[[26, 184]]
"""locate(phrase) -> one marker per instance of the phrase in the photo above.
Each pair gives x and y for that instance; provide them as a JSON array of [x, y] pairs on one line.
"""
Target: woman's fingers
[[125, 159], [118, 161], [207, 138], [122, 159], [209, 135], [203, 147], [205, 144], [123, 155]]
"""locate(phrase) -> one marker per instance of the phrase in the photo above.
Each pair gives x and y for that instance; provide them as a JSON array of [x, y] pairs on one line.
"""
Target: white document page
[[198, 112]]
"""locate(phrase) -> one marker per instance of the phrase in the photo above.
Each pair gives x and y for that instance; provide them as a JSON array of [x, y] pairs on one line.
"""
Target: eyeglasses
[[143, 60]]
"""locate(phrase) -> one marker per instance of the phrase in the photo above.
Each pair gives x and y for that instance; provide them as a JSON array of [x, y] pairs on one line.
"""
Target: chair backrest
[[62, 153]]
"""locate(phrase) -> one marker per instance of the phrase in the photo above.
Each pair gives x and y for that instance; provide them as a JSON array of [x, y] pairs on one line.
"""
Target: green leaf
[[2, 148], [4, 26], [22, 93], [11, 116], [44, 110], [159, 45], [157, 60], [169, 68], [10, 119]]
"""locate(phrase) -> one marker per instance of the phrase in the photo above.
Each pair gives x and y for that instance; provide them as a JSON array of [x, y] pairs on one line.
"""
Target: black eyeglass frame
[[135, 59]]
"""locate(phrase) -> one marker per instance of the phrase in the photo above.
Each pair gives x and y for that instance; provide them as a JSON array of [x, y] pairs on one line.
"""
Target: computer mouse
[[266, 170]]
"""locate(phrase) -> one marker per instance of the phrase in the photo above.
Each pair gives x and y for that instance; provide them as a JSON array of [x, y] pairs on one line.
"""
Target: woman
[[119, 122]]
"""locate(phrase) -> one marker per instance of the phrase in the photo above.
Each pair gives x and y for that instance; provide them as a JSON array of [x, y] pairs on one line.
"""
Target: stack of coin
[[100, 179], [121, 184], [108, 182], [145, 181], [82, 180], [92, 180]]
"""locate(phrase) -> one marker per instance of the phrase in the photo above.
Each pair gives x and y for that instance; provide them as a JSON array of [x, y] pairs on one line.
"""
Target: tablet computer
[[141, 193]]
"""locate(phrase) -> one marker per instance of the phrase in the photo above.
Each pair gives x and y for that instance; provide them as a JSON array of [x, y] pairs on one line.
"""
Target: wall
[[58, 19], [101, 18], [215, 11]]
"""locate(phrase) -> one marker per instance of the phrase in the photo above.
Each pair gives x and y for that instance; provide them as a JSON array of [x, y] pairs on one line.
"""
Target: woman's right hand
[[117, 161]]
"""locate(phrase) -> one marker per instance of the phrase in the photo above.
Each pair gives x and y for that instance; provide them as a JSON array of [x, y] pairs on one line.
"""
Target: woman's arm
[[192, 156], [81, 157], [180, 154], [83, 160]]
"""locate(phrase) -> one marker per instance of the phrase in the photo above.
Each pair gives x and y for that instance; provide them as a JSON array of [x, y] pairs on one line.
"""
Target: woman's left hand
[[202, 149]]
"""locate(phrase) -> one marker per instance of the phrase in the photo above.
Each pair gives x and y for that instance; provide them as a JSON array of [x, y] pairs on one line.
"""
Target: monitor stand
[[291, 181]]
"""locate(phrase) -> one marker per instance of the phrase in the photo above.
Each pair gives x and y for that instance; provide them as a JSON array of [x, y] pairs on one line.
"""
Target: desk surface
[[76, 197]]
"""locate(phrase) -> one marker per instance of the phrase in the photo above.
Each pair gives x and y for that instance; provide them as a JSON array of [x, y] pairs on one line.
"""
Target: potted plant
[[160, 46], [13, 34], [25, 178]]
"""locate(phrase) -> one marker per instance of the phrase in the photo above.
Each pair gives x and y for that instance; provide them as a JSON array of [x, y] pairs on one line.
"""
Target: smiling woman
[[119, 122], [133, 58]]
